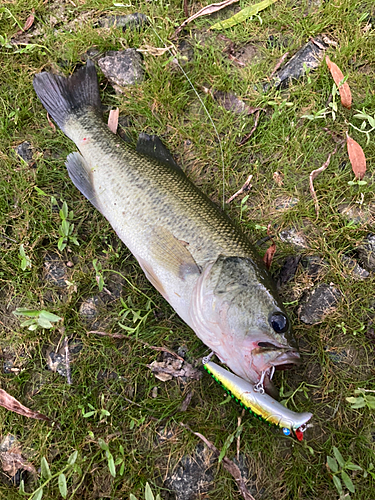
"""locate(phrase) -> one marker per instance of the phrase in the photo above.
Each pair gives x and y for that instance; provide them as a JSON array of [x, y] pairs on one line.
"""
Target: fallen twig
[[245, 188], [313, 175], [247, 137], [229, 465], [279, 63], [67, 361]]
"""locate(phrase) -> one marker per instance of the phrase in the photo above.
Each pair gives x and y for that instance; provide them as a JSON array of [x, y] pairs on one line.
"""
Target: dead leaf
[[113, 120], [231, 102], [268, 256], [166, 370], [29, 22], [12, 461], [338, 77], [357, 157], [278, 178], [229, 465], [11, 404], [313, 175], [209, 9], [155, 51]]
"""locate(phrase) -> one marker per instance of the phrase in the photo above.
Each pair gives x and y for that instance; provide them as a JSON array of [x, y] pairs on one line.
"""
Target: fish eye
[[279, 322]]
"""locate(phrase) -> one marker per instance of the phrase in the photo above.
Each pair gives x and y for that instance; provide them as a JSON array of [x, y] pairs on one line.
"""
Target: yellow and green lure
[[261, 405]]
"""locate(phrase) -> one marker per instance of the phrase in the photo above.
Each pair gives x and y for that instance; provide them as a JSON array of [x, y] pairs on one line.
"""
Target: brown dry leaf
[[229, 465], [268, 256], [12, 460], [357, 157], [166, 370], [29, 22], [278, 178], [209, 9], [155, 51], [113, 120], [344, 89], [10, 403]]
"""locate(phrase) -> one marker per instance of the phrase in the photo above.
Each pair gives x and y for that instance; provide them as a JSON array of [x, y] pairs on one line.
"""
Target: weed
[[362, 399], [25, 260], [44, 319], [148, 494], [99, 275], [46, 475], [66, 228], [93, 412], [339, 467]]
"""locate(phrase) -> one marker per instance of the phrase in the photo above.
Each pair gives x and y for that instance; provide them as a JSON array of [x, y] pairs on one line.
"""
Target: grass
[[110, 374]]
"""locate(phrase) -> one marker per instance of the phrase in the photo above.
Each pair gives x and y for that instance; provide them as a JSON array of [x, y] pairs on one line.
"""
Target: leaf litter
[[357, 157], [338, 77], [10, 403]]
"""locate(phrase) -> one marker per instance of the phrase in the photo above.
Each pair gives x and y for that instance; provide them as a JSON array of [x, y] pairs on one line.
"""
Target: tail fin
[[63, 97]]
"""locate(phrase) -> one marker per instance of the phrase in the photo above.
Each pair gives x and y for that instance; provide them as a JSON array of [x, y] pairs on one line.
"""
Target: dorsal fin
[[152, 146]]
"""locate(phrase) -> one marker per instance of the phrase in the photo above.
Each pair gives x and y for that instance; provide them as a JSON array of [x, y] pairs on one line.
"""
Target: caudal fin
[[63, 97]]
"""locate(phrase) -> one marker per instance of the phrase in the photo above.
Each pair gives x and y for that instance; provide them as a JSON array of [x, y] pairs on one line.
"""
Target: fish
[[189, 249], [259, 404]]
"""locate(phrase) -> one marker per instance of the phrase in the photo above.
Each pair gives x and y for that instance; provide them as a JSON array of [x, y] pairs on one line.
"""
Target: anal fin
[[79, 172]]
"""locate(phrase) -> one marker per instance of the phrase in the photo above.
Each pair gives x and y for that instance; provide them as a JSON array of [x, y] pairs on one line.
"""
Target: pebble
[[294, 237], [318, 303], [366, 252], [357, 214], [122, 68], [130, 21], [288, 270], [307, 58], [355, 270], [193, 476], [25, 151], [55, 271]]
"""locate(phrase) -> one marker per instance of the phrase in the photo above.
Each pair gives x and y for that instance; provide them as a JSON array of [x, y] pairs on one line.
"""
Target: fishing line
[[203, 105]]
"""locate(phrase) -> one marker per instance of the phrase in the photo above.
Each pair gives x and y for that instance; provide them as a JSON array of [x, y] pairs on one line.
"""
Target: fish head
[[238, 314]]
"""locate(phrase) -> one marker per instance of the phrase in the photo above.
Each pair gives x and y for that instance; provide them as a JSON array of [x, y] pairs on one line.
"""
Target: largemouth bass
[[192, 253]]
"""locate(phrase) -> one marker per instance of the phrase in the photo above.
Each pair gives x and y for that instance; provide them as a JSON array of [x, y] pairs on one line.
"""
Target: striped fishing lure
[[260, 405]]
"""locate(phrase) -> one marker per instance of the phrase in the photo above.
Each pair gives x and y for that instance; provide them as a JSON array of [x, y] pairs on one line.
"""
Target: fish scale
[[193, 254]]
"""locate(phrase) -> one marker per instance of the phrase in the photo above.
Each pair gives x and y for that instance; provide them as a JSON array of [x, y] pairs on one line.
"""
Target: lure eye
[[279, 322]]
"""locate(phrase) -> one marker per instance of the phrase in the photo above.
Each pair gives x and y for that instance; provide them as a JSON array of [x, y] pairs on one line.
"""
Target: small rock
[[131, 21], [249, 54], [294, 237], [122, 68], [55, 271], [283, 203], [56, 360], [307, 58], [25, 151], [193, 475], [359, 214], [355, 269], [320, 302], [89, 308], [366, 253], [314, 266], [288, 270]]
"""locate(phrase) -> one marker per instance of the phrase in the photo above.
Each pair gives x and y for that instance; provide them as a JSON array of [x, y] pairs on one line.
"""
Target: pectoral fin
[[172, 254]]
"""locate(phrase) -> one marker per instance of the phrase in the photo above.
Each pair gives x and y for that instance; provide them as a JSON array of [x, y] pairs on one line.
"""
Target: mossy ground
[[166, 105]]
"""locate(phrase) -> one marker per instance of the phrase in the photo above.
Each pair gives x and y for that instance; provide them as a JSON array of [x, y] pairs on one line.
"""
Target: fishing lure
[[261, 405]]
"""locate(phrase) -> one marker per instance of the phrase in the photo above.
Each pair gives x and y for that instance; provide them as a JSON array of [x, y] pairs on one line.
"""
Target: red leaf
[[344, 89], [268, 256], [10, 403], [357, 157]]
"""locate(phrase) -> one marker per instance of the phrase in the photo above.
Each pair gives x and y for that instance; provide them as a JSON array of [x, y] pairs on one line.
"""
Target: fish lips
[[273, 355]]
